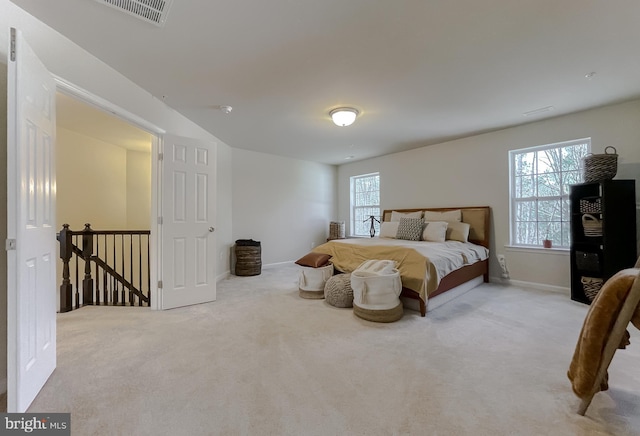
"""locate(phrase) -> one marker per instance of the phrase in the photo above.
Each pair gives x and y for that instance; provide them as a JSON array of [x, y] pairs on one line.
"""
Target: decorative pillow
[[314, 260], [389, 229], [395, 215], [448, 216], [435, 231], [410, 229], [458, 232]]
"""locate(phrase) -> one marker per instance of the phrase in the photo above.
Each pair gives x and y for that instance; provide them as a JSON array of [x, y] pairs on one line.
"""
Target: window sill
[[537, 250]]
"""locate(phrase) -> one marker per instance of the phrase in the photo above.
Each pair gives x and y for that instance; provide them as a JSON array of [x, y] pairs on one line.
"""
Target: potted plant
[[546, 242]]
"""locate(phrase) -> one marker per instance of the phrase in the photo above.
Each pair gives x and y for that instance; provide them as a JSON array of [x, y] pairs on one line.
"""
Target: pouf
[[376, 288], [311, 281], [338, 292]]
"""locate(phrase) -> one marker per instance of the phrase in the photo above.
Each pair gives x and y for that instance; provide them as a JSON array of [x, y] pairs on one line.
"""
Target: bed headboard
[[477, 217]]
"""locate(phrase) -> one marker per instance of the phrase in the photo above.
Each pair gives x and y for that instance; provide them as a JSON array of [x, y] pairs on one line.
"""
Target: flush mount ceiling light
[[343, 116]]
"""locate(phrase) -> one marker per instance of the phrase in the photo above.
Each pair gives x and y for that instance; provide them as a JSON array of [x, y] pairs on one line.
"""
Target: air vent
[[151, 11]]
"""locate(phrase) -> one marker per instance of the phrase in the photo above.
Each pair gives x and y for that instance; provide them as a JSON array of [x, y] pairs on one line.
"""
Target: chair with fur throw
[[603, 332]]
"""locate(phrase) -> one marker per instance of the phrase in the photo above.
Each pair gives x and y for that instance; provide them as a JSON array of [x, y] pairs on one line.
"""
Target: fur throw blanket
[[596, 329]]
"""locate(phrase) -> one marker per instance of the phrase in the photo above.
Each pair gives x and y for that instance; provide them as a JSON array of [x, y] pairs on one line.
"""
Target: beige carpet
[[262, 361]]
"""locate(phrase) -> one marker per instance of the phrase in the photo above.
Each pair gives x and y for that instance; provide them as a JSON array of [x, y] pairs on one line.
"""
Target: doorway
[[103, 171]]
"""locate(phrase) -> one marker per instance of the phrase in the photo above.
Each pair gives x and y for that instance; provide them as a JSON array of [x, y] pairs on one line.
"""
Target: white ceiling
[[420, 72], [87, 120]]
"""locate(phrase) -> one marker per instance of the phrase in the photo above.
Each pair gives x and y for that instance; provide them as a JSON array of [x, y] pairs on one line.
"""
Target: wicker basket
[[592, 226], [591, 205], [599, 167], [248, 257], [591, 286], [336, 230]]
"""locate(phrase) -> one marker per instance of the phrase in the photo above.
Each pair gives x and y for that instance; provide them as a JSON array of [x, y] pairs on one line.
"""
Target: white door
[[187, 270], [31, 200]]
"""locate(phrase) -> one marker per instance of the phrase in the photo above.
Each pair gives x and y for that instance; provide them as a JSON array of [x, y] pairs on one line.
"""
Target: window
[[365, 201], [540, 180]]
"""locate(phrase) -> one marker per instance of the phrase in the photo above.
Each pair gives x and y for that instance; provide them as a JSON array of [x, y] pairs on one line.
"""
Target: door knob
[[211, 229]]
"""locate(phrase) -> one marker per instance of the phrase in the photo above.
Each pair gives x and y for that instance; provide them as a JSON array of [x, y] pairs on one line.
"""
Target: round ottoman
[[338, 292], [311, 281], [376, 292]]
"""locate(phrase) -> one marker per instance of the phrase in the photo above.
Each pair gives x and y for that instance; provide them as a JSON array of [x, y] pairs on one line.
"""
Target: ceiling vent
[[151, 11]]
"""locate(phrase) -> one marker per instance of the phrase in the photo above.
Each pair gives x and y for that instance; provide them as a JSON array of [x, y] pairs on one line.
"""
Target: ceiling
[[420, 72], [87, 120]]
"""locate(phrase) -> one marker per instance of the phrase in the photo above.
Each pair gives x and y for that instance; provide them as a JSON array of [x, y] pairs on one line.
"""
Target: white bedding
[[446, 256]]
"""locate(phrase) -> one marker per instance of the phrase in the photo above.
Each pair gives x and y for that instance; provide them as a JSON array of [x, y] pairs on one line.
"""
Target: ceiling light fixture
[[343, 116], [226, 109]]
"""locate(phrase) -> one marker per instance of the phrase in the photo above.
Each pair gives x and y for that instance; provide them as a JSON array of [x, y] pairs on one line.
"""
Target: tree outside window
[[540, 182], [365, 201]]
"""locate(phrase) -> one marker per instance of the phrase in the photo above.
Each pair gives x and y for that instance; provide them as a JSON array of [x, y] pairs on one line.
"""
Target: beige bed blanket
[[416, 272], [596, 329]]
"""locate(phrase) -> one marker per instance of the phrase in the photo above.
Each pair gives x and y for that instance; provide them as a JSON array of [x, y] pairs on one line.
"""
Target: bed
[[427, 269]]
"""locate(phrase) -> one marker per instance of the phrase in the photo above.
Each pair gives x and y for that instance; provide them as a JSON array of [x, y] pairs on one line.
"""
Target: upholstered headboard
[[478, 219]]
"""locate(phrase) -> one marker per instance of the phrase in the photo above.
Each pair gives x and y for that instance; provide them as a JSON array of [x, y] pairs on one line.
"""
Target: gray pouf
[[338, 292]]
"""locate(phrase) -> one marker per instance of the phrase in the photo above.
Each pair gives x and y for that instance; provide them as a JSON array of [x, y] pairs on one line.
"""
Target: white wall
[[475, 172], [286, 204], [91, 179], [224, 213], [138, 190], [101, 183]]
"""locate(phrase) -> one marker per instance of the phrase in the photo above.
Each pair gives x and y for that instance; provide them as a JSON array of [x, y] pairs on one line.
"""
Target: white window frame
[[513, 201], [353, 207]]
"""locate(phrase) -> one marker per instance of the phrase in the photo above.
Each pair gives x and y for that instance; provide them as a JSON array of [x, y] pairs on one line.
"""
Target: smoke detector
[[151, 11]]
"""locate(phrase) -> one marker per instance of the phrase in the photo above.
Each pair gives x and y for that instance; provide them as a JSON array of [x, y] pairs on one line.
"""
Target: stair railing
[[114, 265]]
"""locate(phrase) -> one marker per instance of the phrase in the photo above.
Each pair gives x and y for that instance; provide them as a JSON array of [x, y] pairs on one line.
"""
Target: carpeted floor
[[262, 361]]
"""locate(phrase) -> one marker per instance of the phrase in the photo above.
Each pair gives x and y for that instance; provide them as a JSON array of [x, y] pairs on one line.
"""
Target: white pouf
[[311, 281], [376, 288]]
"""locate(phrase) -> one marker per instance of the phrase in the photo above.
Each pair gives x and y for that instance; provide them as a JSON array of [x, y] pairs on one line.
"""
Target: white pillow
[[458, 232], [448, 216], [389, 229], [435, 231], [395, 215]]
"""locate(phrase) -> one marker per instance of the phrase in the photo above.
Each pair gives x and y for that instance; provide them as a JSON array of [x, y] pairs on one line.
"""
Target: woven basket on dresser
[[336, 230], [599, 167]]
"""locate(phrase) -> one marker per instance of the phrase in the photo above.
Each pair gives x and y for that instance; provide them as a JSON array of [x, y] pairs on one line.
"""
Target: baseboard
[[223, 276], [265, 266], [271, 265], [530, 285]]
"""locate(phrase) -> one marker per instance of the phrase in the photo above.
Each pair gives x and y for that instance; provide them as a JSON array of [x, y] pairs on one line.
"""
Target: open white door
[[31, 244], [187, 271]]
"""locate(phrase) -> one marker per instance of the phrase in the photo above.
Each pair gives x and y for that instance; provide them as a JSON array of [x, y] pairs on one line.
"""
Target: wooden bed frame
[[479, 233]]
